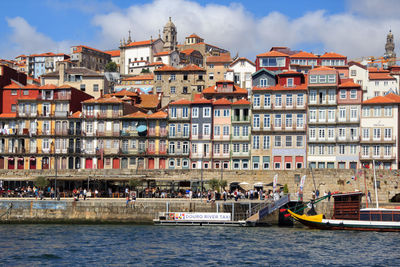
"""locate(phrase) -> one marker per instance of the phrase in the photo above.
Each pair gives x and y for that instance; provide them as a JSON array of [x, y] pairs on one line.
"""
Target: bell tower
[[170, 36], [389, 49]]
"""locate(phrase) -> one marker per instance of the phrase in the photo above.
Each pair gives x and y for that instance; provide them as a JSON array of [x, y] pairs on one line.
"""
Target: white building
[[380, 83], [379, 129], [359, 74], [240, 72]]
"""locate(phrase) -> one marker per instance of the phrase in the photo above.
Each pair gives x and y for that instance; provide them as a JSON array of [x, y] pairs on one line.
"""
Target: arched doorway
[[32, 163], [11, 163], [45, 163]]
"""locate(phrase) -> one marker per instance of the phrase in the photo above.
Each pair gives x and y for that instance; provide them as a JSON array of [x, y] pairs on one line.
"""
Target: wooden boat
[[348, 215]]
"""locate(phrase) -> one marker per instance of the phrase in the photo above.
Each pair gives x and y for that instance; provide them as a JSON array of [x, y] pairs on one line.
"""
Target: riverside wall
[[324, 179]]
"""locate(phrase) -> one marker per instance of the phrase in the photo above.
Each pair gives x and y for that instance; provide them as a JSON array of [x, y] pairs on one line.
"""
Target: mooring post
[[167, 207], [233, 211], [217, 207]]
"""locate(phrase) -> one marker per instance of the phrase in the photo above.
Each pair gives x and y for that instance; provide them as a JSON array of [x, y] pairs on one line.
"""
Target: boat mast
[[376, 189]]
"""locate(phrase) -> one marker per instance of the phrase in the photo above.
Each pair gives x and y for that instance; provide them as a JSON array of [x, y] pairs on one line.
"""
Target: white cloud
[[352, 33], [26, 39], [360, 31]]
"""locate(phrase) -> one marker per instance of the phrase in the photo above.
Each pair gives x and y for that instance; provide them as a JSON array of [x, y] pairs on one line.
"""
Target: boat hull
[[355, 225]]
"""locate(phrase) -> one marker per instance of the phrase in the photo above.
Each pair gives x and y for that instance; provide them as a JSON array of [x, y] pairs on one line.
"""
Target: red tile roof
[[272, 54], [31, 86], [8, 115], [76, 115], [202, 101], [140, 78], [124, 93], [136, 115], [303, 54], [193, 35], [13, 85], [163, 53], [279, 87], [243, 58], [349, 83], [242, 102], [222, 58], [222, 102], [322, 68], [158, 115], [181, 102], [187, 51], [380, 76], [114, 53], [149, 101], [192, 67], [236, 90], [79, 49], [48, 54], [387, 99], [140, 43], [156, 64], [100, 100], [48, 86], [332, 55], [166, 68], [290, 73]]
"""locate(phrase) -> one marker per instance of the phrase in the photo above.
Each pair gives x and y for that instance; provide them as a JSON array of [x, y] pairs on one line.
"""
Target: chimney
[[61, 73]]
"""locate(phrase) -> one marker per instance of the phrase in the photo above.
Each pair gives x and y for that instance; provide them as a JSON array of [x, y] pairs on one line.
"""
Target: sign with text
[[199, 216]]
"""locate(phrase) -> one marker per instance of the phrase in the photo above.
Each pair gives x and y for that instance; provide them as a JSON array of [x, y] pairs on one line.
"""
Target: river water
[[147, 245]]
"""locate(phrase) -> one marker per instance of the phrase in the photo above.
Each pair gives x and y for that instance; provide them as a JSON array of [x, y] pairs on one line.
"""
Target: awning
[[141, 128]]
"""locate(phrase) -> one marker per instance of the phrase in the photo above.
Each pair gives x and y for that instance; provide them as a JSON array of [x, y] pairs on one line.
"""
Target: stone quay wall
[[325, 180]]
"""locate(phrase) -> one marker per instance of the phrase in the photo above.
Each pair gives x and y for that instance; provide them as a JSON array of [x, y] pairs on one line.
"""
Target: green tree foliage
[[285, 189], [41, 182], [145, 70], [111, 67], [213, 183], [133, 183]]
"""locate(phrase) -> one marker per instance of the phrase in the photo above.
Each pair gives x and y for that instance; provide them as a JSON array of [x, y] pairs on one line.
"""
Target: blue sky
[[351, 27]]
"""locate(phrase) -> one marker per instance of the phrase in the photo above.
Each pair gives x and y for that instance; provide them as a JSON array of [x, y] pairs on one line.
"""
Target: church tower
[[170, 36], [389, 48]]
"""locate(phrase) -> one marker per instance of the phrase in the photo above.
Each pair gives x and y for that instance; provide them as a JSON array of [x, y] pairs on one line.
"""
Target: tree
[[285, 189], [223, 184], [145, 70], [213, 183], [111, 66], [41, 181], [133, 183]]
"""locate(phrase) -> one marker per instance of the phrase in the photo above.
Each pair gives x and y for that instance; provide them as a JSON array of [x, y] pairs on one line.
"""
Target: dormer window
[[289, 82], [263, 82]]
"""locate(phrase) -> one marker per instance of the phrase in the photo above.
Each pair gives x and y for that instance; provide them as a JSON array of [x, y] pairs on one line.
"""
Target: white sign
[[199, 216], [303, 180], [275, 181]]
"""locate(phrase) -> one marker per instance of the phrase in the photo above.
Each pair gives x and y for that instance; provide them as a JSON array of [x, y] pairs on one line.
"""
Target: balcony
[[240, 154], [380, 140], [347, 139], [181, 135], [240, 138], [61, 114], [221, 137], [380, 156]]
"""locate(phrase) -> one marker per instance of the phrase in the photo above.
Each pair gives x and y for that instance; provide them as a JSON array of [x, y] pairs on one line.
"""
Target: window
[[365, 133], [365, 150], [289, 100], [342, 113], [195, 112], [299, 141], [312, 133], [278, 141], [321, 133], [322, 115], [211, 76], [289, 82], [331, 133], [236, 148], [289, 120], [388, 111], [313, 96], [13, 108], [331, 115], [26, 92], [263, 82], [311, 149], [300, 100], [256, 121], [195, 129], [184, 90], [256, 101], [226, 112], [331, 96], [365, 111], [185, 112], [343, 94], [83, 87], [158, 77], [353, 149], [322, 78], [173, 89], [377, 133], [217, 113], [331, 149], [256, 142], [266, 141], [313, 78], [226, 149], [265, 162], [206, 129], [245, 148], [377, 111], [313, 115], [288, 141], [226, 130], [236, 131], [388, 133], [278, 100], [321, 149], [353, 94], [95, 87], [342, 149], [353, 72], [273, 62], [245, 131], [267, 100], [267, 121], [211, 66], [172, 77], [13, 92], [300, 120], [388, 150], [173, 112], [256, 162], [342, 133], [377, 151], [353, 113], [217, 130], [278, 120], [331, 78]]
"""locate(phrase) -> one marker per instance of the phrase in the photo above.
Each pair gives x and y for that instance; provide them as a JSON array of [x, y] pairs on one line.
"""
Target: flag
[[275, 182], [302, 181]]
